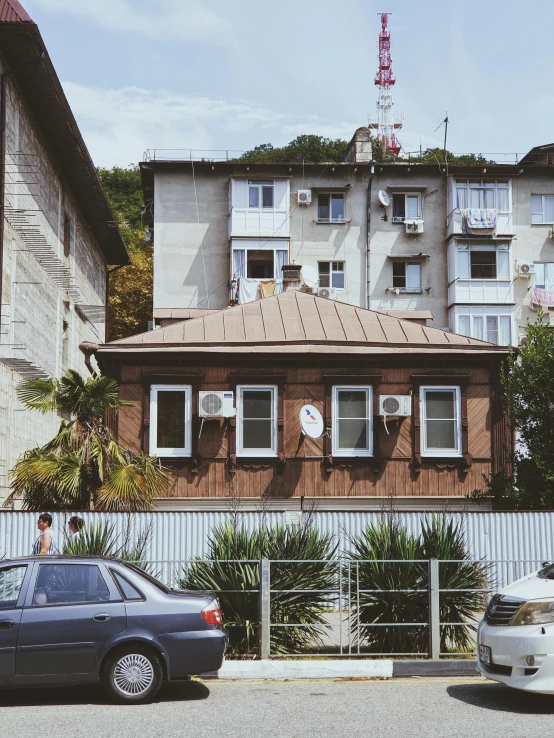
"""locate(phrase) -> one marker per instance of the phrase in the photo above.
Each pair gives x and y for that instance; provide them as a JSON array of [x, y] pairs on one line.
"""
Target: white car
[[515, 640]]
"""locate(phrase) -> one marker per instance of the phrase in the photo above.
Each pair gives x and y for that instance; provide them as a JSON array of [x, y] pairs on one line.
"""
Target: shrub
[[388, 539], [232, 572], [100, 539]]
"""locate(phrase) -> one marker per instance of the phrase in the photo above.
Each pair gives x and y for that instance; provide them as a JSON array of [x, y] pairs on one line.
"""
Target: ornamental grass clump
[[301, 577], [391, 613]]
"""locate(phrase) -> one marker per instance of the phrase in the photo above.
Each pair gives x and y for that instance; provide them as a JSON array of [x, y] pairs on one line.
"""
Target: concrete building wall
[[46, 296]]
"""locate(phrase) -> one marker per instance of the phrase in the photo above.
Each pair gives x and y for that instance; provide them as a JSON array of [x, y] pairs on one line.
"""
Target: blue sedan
[[68, 620]]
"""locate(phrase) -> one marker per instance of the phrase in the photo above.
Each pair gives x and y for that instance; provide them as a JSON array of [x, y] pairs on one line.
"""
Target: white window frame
[[540, 213], [402, 219], [440, 452], [482, 312], [330, 219], [331, 272], [260, 184], [405, 289], [186, 450], [483, 184], [497, 247], [353, 452], [257, 452]]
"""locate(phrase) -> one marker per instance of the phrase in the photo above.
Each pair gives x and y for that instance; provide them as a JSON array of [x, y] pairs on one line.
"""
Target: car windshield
[[547, 572], [146, 575]]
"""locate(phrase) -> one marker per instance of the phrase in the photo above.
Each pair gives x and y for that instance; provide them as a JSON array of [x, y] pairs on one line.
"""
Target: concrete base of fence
[[446, 667], [317, 669], [346, 669]]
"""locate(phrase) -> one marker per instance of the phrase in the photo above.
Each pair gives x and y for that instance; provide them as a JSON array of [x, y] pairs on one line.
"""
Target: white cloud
[[119, 125], [184, 20]]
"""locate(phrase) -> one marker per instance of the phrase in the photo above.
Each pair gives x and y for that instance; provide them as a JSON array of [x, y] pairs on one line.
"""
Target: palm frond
[[125, 488], [40, 394]]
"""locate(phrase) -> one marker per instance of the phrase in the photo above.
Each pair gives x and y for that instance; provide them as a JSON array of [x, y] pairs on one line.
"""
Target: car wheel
[[133, 675]]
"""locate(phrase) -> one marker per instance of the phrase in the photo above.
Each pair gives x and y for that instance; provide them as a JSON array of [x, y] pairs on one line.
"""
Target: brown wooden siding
[[213, 475]]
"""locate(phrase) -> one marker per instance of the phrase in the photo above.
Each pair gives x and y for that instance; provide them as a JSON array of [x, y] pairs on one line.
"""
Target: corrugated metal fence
[[179, 536]]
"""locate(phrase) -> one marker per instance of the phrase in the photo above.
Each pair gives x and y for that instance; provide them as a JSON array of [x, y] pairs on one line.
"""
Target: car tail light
[[212, 613]]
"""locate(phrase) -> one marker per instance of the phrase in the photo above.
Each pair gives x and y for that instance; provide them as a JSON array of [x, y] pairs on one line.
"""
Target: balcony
[[481, 291], [259, 208]]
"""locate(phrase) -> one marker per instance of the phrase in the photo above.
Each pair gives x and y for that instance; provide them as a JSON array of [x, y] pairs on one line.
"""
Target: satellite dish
[[310, 276], [384, 198], [311, 421]]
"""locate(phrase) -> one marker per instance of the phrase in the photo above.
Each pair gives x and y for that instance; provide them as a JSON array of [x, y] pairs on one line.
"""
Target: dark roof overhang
[[31, 68]]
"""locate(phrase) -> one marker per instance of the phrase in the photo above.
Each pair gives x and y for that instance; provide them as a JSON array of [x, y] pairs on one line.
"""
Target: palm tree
[[83, 466]]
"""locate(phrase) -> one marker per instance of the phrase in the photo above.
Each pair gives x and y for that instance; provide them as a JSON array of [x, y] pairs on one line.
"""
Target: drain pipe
[[367, 280], [88, 349]]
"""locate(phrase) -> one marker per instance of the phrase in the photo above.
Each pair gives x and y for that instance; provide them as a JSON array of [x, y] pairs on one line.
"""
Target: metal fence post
[[264, 608], [434, 611]]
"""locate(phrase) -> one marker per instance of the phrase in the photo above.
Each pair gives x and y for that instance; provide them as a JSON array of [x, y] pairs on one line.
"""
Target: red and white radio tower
[[385, 79]]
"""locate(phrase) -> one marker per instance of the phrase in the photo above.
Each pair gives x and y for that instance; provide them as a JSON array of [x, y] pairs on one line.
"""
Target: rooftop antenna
[[445, 124], [384, 80]]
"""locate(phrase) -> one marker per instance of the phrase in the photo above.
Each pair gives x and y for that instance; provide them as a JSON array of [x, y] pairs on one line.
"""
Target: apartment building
[[57, 235], [466, 248]]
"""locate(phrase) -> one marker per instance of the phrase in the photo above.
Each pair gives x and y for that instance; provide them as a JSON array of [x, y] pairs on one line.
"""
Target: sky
[[232, 74]]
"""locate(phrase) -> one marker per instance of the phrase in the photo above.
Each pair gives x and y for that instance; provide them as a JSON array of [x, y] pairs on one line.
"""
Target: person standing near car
[[45, 544], [75, 525]]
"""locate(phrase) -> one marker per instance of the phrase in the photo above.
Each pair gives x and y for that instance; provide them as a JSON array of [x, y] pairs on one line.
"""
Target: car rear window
[[68, 584], [128, 590], [147, 576]]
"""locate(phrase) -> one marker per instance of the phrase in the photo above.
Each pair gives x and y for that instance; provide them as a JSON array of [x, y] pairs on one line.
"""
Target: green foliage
[[130, 298], [308, 147], [242, 580], [82, 465], [437, 156], [100, 539], [378, 605]]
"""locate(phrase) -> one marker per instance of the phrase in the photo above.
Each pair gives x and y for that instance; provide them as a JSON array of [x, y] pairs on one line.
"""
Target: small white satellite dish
[[311, 421], [384, 198], [310, 276]]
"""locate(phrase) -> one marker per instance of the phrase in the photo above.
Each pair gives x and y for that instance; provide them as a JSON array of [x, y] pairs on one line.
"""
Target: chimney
[[360, 148]]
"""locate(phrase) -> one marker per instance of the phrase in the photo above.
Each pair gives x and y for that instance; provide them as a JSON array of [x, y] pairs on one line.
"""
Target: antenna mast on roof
[[385, 79]]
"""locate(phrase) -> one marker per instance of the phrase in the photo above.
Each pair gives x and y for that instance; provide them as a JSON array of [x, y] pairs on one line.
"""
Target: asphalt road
[[409, 707]]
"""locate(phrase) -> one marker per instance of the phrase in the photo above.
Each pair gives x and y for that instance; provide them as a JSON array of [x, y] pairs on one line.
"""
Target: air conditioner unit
[[525, 269], [400, 405], [304, 197], [216, 405], [327, 292], [522, 339], [414, 226]]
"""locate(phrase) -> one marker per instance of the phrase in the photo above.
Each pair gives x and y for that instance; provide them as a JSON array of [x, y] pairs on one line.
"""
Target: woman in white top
[[75, 525], [45, 544]]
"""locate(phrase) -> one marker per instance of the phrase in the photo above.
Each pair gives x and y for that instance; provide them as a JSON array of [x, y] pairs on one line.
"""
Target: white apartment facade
[[395, 237], [57, 239]]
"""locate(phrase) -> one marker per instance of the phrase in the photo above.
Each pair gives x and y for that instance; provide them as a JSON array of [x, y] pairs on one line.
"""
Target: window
[[170, 420], [406, 276], [331, 274], [405, 207], [330, 208], [66, 235], [544, 275], [68, 584], [491, 194], [11, 581], [487, 323], [482, 261], [257, 421], [128, 590], [352, 421], [259, 263], [260, 193], [542, 209], [441, 422]]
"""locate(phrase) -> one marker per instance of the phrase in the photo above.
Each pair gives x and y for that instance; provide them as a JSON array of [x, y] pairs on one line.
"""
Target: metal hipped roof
[[301, 322], [11, 11]]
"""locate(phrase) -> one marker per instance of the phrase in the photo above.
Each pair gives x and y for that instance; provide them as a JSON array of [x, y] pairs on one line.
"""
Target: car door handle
[[6, 623], [101, 617]]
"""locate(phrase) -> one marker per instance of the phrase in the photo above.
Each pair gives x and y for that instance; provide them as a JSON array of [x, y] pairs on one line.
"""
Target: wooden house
[[267, 360]]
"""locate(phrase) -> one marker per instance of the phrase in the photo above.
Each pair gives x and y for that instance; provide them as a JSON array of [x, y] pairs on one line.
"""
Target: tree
[[130, 297], [529, 391], [83, 466], [308, 147]]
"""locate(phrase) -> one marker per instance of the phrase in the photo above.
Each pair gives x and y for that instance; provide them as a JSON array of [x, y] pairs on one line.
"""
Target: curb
[[342, 669]]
